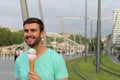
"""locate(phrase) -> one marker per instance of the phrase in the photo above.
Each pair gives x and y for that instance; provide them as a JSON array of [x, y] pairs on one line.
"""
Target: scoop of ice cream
[[31, 53]]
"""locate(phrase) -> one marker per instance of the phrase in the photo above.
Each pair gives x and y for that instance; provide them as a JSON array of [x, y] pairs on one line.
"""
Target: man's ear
[[42, 34]]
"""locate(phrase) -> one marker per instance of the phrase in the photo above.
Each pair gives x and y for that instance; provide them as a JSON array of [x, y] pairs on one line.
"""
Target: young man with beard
[[49, 65]]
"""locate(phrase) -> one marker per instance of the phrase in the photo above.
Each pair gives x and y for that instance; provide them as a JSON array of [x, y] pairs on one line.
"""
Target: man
[[49, 65]]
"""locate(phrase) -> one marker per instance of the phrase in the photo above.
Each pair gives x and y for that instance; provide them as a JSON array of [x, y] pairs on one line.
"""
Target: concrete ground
[[7, 69]]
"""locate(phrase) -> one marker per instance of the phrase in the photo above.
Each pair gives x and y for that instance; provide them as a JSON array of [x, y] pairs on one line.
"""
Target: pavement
[[115, 59], [7, 69]]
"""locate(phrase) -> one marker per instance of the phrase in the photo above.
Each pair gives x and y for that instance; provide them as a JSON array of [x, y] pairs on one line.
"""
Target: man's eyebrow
[[30, 29]]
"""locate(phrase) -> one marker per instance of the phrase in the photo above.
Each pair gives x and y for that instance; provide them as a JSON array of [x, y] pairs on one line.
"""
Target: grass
[[72, 74], [88, 69], [110, 65]]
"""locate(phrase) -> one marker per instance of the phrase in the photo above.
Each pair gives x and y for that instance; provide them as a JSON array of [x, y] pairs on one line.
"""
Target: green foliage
[[78, 37], [8, 38], [60, 40], [50, 47], [5, 35], [102, 45], [49, 39], [17, 37], [93, 45], [118, 48]]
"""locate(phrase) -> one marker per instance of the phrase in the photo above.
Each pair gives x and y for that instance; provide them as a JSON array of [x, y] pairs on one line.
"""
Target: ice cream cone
[[31, 57], [31, 64]]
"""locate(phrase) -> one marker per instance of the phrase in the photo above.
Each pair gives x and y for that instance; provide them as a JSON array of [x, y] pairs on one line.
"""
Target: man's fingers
[[30, 76]]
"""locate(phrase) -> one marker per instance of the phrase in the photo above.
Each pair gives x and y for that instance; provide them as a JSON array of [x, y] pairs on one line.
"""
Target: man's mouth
[[29, 39]]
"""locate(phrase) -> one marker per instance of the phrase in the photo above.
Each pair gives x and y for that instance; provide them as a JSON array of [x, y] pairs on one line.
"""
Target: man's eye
[[25, 30], [33, 30]]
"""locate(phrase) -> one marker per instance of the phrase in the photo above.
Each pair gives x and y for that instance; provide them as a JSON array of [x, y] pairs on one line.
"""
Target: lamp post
[[98, 37], [85, 31], [91, 37], [91, 21], [80, 39]]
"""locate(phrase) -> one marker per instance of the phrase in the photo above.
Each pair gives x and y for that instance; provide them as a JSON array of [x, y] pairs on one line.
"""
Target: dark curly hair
[[34, 20]]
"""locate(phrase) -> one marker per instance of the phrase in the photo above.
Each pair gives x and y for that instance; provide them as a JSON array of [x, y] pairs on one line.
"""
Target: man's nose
[[29, 33]]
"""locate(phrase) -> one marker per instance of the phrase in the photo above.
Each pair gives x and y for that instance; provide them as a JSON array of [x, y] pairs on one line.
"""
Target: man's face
[[32, 34]]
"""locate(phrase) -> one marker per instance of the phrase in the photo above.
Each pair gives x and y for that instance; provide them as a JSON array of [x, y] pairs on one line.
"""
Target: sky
[[11, 15]]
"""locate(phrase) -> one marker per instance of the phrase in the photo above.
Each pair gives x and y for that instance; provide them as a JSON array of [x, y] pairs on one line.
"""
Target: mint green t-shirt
[[50, 66]]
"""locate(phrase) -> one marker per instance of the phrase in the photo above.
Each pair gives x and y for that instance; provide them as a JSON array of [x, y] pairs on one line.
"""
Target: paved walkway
[[114, 58], [7, 69]]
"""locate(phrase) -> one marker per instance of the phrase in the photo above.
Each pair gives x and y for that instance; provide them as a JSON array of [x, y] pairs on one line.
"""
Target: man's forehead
[[31, 26]]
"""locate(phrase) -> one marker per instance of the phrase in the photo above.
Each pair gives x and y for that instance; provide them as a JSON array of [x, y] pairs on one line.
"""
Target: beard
[[37, 41]]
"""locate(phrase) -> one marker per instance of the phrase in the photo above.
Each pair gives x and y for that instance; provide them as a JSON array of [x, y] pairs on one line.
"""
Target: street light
[[98, 37], [85, 30]]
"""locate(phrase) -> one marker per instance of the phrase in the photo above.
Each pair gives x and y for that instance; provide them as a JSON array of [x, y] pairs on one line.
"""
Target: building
[[108, 39], [116, 28]]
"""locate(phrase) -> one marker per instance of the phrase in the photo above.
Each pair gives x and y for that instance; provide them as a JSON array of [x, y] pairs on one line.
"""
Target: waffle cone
[[31, 65]]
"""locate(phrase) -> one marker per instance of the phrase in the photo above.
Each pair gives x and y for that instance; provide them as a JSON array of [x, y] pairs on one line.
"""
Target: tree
[[60, 40], [93, 45], [78, 38], [9, 38], [17, 37], [49, 39], [5, 35]]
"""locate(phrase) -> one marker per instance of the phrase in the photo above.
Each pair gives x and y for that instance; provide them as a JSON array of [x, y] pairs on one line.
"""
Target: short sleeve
[[60, 69], [16, 71]]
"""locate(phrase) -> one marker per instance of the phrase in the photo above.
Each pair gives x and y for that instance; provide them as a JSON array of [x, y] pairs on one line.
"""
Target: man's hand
[[64, 79], [33, 76]]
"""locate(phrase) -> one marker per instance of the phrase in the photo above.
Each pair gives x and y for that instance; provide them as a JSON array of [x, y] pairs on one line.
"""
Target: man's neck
[[40, 49]]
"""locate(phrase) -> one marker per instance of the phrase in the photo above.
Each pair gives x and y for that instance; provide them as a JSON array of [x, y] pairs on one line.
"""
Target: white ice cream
[[31, 53]]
